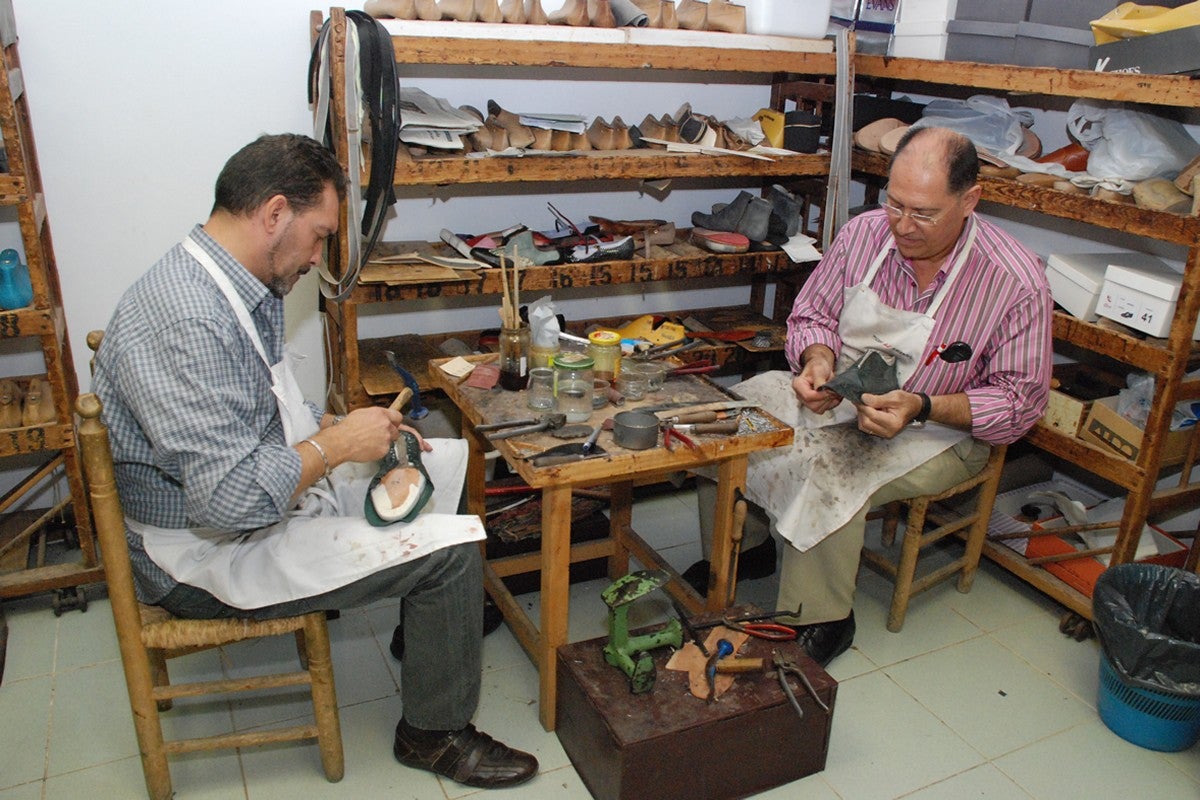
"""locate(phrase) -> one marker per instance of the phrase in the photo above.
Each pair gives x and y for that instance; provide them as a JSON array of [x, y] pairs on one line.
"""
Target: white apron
[[314, 549], [833, 468]]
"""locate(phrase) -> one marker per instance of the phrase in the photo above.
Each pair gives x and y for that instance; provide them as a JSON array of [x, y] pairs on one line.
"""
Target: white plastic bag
[[987, 121], [1127, 143]]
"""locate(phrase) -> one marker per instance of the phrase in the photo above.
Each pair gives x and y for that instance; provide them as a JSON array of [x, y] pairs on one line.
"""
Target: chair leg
[[139, 678], [159, 676], [975, 539], [320, 668], [906, 567], [891, 519]]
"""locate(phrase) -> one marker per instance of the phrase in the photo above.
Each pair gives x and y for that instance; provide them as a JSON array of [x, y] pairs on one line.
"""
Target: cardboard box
[[1166, 53], [1142, 296], [1107, 428], [669, 745], [1010, 11], [927, 11], [1076, 278], [1071, 13], [984, 42], [1078, 386], [1039, 45]]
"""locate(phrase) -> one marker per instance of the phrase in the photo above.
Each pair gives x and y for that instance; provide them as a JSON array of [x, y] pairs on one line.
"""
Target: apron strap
[[226, 286], [955, 268]]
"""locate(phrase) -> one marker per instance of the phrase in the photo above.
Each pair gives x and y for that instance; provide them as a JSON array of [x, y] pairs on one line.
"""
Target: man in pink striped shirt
[[962, 309]]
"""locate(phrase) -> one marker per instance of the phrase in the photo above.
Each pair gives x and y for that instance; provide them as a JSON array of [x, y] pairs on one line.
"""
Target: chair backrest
[[108, 517]]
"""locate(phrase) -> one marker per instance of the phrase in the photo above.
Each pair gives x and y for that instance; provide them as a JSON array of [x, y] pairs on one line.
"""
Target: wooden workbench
[[619, 470]]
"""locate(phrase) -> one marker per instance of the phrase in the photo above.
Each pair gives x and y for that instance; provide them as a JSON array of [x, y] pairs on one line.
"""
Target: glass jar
[[605, 350], [540, 356], [573, 386], [513, 346]]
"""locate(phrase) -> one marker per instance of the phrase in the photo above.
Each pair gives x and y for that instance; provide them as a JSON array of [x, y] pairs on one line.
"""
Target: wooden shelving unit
[[21, 188], [1167, 359], [483, 45]]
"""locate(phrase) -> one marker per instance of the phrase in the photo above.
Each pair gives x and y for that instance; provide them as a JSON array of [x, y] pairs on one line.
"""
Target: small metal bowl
[[635, 430]]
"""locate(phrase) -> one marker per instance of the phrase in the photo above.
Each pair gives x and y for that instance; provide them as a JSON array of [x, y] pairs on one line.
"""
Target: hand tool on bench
[[670, 434], [727, 427], [724, 648], [686, 621], [694, 369], [523, 427], [418, 411], [782, 667]]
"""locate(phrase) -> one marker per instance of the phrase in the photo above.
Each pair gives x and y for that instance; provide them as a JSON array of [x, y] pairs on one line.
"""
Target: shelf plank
[[638, 164], [1151, 355], [35, 439], [1176, 228], [1120, 471], [1039, 578], [27, 322], [1173, 90], [680, 261], [47, 578]]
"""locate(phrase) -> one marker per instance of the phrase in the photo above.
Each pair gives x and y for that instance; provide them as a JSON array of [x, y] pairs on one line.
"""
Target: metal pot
[[635, 430]]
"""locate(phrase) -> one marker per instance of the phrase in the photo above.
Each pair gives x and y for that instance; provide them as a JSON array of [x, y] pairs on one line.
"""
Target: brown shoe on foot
[[468, 756]]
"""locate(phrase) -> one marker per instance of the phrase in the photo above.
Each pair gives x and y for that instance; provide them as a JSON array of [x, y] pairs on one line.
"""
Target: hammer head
[[417, 410]]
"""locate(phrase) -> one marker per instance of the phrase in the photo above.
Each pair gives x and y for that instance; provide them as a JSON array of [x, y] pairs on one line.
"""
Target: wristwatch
[[923, 415]]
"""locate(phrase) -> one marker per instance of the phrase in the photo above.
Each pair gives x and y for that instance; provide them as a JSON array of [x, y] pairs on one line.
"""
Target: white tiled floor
[[978, 696]]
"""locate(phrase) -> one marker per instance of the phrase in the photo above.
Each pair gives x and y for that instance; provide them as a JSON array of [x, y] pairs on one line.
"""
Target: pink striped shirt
[[999, 304]]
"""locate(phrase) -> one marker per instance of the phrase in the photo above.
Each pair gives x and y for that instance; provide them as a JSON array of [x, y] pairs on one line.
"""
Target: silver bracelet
[[321, 452], [338, 418]]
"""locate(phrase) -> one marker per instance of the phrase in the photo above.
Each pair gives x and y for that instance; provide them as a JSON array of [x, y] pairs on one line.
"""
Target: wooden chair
[[148, 635], [920, 511]]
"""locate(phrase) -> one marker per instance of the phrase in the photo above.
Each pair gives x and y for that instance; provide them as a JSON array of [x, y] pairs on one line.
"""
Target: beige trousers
[[821, 580]]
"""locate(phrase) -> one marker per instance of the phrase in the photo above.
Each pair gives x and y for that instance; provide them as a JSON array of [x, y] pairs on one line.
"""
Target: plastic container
[[605, 350], [1154, 720], [807, 19], [573, 386]]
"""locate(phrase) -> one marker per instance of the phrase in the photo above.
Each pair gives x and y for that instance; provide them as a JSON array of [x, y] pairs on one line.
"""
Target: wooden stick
[[516, 292], [504, 315]]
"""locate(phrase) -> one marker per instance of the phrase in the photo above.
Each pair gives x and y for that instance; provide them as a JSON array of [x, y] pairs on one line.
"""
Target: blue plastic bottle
[[15, 289]]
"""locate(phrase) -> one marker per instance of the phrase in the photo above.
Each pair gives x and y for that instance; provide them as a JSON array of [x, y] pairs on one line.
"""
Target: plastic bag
[[987, 121], [1134, 403], [543, 323], [1127, 143], [1148, 621]]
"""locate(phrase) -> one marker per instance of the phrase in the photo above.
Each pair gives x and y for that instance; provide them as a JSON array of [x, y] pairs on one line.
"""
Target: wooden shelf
[[600, 165]]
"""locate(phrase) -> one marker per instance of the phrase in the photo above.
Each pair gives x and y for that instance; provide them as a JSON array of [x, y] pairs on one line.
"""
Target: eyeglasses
[[918, 219], [924, 220]]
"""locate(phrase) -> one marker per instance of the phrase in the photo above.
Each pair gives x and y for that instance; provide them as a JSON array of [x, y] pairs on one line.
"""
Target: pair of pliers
[[782, 668], [669, 433], [771, 631]]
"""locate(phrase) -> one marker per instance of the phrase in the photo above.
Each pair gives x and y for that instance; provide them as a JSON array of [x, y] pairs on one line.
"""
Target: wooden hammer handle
[[403, 397]]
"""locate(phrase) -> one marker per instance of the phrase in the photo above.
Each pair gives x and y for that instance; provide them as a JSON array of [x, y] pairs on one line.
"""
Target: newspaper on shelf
[[573, 123], [430, 121]]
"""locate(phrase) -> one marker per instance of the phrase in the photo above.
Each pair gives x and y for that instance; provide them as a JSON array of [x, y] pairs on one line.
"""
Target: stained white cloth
[[325, 542], [833, 468]]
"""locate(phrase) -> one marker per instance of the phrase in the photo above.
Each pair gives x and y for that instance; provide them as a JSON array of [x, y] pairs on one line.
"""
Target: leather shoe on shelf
[[467, 756], [492, 618], [825, 641], [719, 242], [757, 562]]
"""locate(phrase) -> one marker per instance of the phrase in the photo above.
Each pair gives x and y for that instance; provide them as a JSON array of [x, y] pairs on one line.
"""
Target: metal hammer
[[418, 410]]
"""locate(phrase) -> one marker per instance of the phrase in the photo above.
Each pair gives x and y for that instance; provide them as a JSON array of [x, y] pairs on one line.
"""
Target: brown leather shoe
[[468, 756]]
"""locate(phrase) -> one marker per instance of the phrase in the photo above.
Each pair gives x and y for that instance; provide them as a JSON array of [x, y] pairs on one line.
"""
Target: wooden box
[[669, 745]]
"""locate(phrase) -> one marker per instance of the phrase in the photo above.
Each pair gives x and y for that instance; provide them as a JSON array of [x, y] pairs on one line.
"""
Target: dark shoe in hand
[[468, 756], [825, 641], [757, 562], [492, 618]]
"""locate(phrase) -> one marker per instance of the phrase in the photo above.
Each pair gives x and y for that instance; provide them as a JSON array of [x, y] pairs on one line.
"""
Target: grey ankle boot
[[724, 218]]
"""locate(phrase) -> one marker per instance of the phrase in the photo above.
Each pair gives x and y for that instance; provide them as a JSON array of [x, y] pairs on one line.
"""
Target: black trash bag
[[1148, 620]]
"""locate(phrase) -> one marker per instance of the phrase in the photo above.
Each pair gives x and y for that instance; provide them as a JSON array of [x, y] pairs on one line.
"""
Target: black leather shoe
[[492, 618], [468, 756], [825, 641], [757, 562]]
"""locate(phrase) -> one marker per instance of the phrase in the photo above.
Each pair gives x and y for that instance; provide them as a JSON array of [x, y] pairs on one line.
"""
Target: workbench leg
[[555, 600], [731, 480], [476, 480], [620, 520]]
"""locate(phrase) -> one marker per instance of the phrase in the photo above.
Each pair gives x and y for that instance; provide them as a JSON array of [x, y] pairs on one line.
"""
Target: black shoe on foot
[[468, 756], [825, 641], [757, 562], [492, 618]]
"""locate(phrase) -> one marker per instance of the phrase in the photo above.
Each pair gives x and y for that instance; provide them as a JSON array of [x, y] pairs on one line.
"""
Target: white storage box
[[927, 10], [1075, 278], [919, 40], [1142, 297], [807, 19]]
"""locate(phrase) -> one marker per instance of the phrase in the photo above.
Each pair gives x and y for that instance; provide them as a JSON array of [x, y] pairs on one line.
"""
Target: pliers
[[669, 432], [771, 631], [782, 667]]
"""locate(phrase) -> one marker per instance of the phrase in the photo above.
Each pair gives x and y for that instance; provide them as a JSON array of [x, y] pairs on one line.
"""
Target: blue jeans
[[441, 593]]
